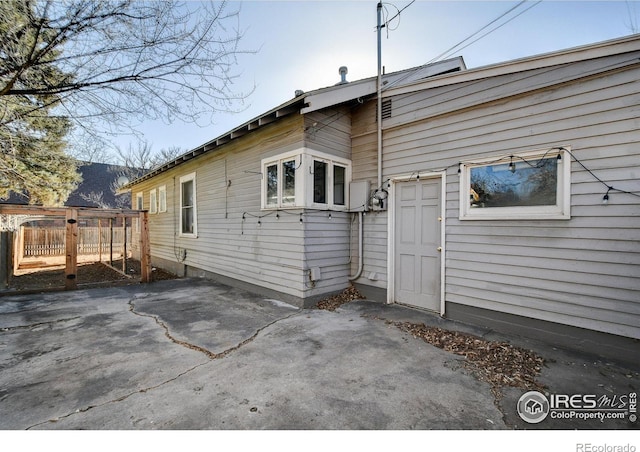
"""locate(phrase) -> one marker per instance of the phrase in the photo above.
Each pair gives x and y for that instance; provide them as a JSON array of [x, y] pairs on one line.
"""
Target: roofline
[[626, 44], [322, 97], [334, 95], [292, 106]]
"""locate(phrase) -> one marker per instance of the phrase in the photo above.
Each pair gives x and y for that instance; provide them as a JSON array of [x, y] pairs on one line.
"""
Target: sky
[[300, 45]]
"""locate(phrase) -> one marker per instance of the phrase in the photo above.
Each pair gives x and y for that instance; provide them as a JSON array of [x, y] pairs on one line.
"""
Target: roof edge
[[291, 106], [571, 55]]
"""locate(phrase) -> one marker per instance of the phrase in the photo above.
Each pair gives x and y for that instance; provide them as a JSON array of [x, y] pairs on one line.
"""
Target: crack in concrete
[[208, 353], [116, 400], [211, 355], [35, 325]]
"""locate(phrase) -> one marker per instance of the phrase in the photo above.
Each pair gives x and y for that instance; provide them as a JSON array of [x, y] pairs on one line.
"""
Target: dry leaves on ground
[[334, 302], [88, 274], [498, 363]]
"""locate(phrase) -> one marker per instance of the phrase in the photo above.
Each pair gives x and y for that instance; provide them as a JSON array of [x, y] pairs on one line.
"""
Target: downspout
[[360, 247]]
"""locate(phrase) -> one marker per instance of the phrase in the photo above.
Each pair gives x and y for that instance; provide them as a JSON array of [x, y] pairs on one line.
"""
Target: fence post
[[111, 242], [19, 248], [100, 240], [5, 258], [71, 244], [124, 245], [145, 248]]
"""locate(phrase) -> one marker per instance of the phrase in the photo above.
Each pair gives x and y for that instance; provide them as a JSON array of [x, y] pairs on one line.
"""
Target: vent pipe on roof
[[343, 75]]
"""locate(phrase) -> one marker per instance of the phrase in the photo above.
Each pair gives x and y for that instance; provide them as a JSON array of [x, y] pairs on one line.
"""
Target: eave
[[292, 106]]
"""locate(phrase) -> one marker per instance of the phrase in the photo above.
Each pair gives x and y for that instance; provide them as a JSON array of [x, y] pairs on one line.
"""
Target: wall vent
[[386, 109]]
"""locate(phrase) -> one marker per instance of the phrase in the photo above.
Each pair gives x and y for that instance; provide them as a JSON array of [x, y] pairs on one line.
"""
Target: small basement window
[[531, 185]]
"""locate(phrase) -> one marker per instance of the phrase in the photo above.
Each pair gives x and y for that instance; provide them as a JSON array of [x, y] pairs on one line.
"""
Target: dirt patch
[[89, 274], [334, 302]]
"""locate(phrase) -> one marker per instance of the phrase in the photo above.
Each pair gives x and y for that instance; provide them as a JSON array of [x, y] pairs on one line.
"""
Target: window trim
[[560, 211], [153, 201], [139, 201], [194, 234], [304, 180], [162, 199]]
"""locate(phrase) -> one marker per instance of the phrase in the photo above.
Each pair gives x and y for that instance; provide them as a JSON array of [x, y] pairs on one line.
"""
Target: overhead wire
[[452, 48], [399, 11], [455, 47], [490, 31]]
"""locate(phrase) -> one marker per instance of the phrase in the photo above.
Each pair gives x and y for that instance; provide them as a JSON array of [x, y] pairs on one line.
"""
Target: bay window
[[307, 179]]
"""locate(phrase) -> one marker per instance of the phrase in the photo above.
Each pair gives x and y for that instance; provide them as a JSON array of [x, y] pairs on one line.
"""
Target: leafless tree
[[124, 59]]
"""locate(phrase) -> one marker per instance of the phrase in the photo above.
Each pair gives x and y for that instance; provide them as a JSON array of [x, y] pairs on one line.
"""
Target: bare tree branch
[[117, 52]]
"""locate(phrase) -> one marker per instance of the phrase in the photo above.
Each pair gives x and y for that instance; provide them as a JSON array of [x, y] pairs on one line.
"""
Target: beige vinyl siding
[[275, 251], [329, 131], [584, 271], [327, 248], [365, 167], [439, 101], [364, 142], [327, 239], [264, 254]]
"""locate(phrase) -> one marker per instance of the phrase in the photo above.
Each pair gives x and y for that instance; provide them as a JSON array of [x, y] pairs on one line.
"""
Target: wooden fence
[[40, 242], [72, 216]]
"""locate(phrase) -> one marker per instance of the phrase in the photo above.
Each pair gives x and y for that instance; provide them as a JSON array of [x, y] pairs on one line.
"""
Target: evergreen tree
[[103, 67], [33, 161]]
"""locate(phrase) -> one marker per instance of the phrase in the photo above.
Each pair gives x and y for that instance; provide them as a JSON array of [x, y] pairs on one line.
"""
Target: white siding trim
[[186, 178], [162, 199], [391, 228], [153, 201], [560, 211]]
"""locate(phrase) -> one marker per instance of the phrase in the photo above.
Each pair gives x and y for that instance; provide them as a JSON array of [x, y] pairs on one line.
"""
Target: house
[[97, 188], [506, 196]]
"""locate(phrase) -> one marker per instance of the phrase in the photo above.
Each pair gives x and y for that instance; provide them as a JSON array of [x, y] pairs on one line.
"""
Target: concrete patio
[[193, 354]]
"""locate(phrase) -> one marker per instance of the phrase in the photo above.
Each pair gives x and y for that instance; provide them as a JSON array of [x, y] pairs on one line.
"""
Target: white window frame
[[153, 201], [560, 211], [279, 162], [162, 198], [183, 179], [139, 201], [304, 180]]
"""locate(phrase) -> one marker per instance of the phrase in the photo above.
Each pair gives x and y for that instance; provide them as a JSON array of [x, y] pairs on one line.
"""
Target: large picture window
[[188, 212], [533, 185], [305, 178]]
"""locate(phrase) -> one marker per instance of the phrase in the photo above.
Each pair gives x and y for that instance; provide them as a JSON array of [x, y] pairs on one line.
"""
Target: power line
[[475, 33], [488, 32], [386, 22], [446, 52]]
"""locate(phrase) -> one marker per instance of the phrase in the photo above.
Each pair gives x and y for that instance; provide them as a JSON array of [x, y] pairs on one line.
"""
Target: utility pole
[[379, 96]]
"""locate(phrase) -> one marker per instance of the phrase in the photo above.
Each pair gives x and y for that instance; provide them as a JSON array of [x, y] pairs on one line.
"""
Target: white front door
[[417, 243]]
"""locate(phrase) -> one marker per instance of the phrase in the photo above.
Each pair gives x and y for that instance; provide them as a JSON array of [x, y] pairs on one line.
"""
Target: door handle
[[439, 248]]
